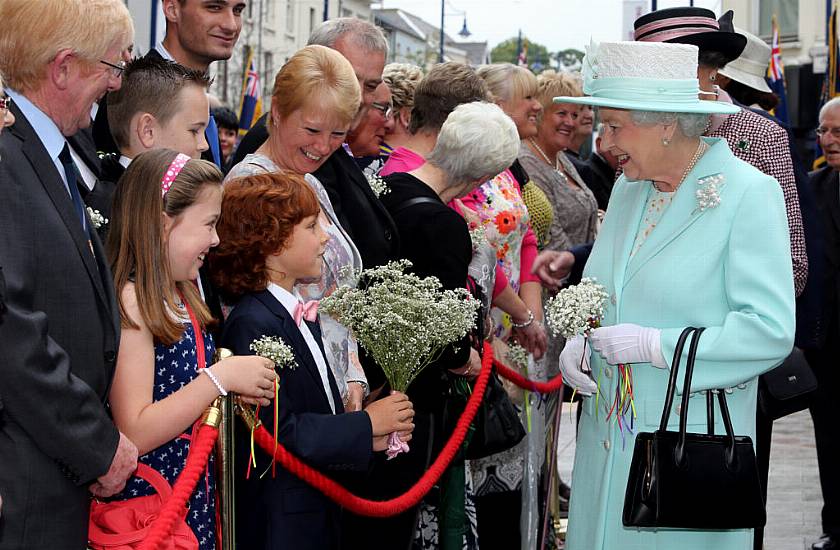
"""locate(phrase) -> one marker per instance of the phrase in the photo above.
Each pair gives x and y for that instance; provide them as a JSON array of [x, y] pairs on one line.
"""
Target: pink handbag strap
[[155, 479]]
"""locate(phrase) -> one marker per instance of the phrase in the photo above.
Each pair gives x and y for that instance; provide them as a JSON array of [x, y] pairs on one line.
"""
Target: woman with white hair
[[476, 142], [693, 237]]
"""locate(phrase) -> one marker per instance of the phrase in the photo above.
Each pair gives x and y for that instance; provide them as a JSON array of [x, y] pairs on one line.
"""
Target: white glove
[[574, 364], [628, 343]]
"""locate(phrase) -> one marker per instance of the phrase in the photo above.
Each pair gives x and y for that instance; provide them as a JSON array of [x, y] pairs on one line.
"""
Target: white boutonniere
[[708, 191], [96, 218], [275, 349], [378, 185]]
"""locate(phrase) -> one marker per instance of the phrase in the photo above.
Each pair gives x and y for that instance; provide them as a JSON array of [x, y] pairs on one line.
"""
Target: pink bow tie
[[308, 311]]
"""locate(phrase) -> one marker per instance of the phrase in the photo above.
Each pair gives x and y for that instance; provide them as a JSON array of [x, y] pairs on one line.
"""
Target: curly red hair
[[259, 214]]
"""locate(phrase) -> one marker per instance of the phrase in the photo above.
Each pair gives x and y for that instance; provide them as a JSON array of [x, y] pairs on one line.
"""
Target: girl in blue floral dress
[[164, 223]]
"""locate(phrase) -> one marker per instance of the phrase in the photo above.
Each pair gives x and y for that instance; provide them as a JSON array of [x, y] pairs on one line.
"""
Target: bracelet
[[364, 386], [215, 381], [526, 324]]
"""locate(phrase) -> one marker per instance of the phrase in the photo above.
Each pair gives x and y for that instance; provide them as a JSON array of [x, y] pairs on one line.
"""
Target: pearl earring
[[666, 142]]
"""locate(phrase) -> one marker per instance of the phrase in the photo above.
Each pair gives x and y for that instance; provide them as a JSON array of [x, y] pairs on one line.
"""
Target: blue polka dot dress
[[175, 366]]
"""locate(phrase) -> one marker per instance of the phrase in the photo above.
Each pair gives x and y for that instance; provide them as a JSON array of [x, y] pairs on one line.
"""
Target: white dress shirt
[[290, 302]]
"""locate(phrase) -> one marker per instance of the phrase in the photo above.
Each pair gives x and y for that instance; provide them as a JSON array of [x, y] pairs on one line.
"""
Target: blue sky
[[557, 24]]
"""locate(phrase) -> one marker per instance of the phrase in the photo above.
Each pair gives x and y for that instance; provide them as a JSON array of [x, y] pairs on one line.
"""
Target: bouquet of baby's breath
[[275, 349], [576, 309], [403, 321]]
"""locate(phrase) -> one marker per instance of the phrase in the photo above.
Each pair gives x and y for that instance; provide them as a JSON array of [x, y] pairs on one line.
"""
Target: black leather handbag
[[496, 425], [787, 388], [689, 480]]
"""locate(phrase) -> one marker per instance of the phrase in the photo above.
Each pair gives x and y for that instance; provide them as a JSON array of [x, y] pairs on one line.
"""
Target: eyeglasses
[[835, 132], [116, 70], [386, 110]]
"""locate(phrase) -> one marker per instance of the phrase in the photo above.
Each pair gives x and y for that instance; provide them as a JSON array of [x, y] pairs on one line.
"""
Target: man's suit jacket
[[102, 195], [282, 511], [825, 185], [58, 343]]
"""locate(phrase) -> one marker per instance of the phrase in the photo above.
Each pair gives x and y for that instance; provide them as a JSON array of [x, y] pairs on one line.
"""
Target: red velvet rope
[[396, 505], [541, 387], [173, 509]]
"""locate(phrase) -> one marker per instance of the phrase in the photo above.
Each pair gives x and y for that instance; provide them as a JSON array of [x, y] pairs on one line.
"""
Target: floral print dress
[[175, 367], [342, 351], [505, 219]]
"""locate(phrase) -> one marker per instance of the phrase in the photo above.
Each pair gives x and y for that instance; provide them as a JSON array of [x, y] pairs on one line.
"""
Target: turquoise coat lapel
[[683, 211]]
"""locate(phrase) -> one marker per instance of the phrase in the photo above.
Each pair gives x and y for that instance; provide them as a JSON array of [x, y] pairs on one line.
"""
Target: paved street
[[794, 498]]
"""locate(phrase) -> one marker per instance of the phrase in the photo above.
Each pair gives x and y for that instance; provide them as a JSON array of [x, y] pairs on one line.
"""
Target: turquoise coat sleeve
[[757, 282]]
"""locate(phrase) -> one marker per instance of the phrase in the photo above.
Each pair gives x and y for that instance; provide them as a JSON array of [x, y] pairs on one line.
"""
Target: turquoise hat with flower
[[644, 76]]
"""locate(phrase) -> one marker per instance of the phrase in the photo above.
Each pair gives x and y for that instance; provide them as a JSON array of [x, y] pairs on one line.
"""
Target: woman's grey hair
[[477, 141], [690, 124], [364, 34]]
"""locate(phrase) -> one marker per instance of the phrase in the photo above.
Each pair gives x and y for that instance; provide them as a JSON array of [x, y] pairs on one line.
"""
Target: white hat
[[644, 76], [751, 67]]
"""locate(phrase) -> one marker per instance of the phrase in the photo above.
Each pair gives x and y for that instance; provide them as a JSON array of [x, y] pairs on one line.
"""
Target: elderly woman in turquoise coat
[[693, 237]]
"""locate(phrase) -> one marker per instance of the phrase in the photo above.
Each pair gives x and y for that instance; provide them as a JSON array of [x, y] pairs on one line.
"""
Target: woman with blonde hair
[[315, 99], [543, 156], [402, 79], [507, 219]]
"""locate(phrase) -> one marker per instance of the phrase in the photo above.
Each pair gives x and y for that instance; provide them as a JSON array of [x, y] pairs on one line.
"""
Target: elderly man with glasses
[[367, 138], [825, 407], [60, 330]]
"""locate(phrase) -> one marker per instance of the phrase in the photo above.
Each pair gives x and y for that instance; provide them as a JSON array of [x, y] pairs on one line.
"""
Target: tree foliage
[[507, 51]]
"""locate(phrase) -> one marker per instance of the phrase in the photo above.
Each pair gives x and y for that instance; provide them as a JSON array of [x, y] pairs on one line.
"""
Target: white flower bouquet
[[403, 321], [576, 309], [275, 349]]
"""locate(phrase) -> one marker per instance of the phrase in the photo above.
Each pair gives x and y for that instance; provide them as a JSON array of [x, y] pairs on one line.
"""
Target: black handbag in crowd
[[689, 480], [496, 425], [787, 388]]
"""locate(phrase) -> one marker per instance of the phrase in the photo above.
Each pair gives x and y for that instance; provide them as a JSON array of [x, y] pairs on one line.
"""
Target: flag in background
[[829, 89], [250, 104], [776, 75]]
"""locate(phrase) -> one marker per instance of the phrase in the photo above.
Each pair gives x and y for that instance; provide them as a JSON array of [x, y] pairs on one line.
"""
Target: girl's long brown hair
[[136, 245]]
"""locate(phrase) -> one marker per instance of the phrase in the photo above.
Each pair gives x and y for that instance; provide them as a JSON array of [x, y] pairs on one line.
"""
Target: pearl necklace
[[557, 167], [697, 154]]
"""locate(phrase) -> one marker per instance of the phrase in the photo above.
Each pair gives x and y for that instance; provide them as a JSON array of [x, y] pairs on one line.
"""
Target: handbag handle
[[679, 451], [672, 380]]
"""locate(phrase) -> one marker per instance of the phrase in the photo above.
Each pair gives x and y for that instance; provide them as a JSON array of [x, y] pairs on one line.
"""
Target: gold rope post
[[225, 465]]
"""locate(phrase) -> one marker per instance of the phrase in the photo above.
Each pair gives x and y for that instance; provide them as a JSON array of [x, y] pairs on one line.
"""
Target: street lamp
[[463, 32]]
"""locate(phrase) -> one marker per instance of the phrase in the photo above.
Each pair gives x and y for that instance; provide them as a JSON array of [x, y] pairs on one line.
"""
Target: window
[[787, 17], [290, 15], [311, 20], [346, 13], [268, 69]]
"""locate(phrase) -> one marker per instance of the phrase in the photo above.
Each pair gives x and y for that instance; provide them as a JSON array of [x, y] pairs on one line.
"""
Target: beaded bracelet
[[526, 324], [215, 381]]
